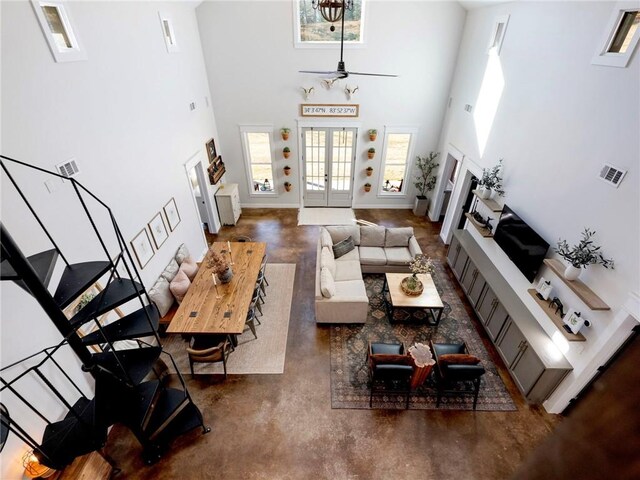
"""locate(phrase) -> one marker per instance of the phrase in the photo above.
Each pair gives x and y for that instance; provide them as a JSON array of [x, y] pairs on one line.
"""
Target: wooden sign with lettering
[[329, 110]]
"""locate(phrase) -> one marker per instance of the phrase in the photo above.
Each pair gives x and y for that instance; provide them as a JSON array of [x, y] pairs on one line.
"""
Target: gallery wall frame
[[172, 214], [158, 230], [142, 248]]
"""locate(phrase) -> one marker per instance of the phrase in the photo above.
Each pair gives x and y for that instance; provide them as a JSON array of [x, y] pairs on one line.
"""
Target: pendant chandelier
[[332, 10]]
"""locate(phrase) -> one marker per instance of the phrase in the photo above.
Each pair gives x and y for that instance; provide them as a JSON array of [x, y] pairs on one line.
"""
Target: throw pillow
[[340, 232], [325, 238], [386, 359], [327, 260], [327, 284], [182, 253], [180, 285], [343, 247], [160, 294], [398, 237], [170, 271], [372, 236], [190, 267], [458, 359]]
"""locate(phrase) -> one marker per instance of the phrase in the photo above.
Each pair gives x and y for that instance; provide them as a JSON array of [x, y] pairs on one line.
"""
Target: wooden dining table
[[221, 309]]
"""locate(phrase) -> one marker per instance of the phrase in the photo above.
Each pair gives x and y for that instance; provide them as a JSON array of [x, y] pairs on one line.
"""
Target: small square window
[[620, 37], [58, 29]]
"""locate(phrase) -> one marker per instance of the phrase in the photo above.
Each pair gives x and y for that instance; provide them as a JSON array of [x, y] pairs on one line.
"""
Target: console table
[[533, 360]]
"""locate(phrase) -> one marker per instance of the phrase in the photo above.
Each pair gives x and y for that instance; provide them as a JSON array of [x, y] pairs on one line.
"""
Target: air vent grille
[[68, 169], [612, 175]]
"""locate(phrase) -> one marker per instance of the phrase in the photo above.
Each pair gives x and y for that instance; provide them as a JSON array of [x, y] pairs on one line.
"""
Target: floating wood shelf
[[551, 313], [492, 204], [593, 301], [484, 231]]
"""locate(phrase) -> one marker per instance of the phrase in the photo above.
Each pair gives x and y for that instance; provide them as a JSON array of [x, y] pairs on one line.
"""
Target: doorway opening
[[201, 195]]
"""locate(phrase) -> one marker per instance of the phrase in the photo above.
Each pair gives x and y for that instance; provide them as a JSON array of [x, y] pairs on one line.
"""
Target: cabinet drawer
[[527, 370]]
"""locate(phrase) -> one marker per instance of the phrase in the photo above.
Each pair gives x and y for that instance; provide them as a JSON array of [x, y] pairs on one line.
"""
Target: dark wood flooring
[[283, 427]]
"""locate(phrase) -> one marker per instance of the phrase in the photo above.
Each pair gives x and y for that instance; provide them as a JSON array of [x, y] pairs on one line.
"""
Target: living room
[[133, 113]]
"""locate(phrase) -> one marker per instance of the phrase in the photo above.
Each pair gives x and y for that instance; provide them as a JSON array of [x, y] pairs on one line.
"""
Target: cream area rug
[[262, 355], [326, 216]]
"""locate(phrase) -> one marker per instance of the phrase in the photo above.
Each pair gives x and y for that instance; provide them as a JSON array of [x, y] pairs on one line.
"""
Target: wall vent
[[68, 168], [612, 175]]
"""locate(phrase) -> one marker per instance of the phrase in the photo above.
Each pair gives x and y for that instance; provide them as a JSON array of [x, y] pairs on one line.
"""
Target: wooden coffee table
[[428, 300]]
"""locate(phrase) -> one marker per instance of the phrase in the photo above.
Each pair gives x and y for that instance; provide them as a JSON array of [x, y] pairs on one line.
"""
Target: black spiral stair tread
[[134, 325], [169, 404], [188, 419], [76, 278], [43, 263], [119, 291], [137, 362]]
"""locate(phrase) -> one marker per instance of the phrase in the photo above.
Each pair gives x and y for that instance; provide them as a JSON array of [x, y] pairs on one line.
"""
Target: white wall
[[253, 74], [558, 119], [124, 115]]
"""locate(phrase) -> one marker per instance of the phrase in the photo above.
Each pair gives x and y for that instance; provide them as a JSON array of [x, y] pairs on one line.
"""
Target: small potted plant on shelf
[[425, 182], [581, 255], [220, 267], [287, 170], [371, 153], [373, 133], [369, 171], [367, 187], [491, 181], [285, 133], [286, 151], [288, 186]]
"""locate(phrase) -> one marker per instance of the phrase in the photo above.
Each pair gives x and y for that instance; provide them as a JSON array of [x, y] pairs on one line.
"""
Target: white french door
[[328, 158]]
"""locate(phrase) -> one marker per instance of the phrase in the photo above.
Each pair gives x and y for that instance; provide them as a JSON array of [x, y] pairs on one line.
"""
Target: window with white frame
[[497, 34], [312, 30], [621, 36], [258, 154], [59, 31], [398, 149]]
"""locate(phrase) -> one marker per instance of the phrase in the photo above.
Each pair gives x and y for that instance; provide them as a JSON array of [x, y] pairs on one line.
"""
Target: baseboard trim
[[271, 205], [386, 207]]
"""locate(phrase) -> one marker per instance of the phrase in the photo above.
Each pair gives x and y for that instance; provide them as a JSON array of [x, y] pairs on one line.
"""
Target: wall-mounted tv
[[521, 243]]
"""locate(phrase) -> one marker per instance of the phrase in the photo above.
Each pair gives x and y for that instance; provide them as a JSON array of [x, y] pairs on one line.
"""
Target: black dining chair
[[262, 278]]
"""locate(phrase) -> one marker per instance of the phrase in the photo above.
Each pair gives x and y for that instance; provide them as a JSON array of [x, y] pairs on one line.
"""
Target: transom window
[[313, 30], [256, 142], [620, 37], [398, 149], [625, 33], [58, 29]]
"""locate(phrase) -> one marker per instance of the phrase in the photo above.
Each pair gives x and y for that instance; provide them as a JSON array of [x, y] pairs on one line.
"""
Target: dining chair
[[256, 298], [200, 350], [250, 321], [262, 278]]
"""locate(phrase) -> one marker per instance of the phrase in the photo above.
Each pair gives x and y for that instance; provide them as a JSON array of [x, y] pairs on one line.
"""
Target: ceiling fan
[[332, 11]]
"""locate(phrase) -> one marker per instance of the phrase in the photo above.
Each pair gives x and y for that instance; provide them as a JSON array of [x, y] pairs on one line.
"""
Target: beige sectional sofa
[[341, 296]]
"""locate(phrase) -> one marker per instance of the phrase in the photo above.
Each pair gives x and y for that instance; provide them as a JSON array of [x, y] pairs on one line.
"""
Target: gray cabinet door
[[527, 370], [461, 261], [486, 304], [497, 320], [452, 253], [476, 289], [510, 343], [469, 276]]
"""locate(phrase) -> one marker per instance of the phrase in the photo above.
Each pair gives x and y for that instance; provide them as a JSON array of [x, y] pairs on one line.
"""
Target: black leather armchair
[[448, 375], [390, 369]]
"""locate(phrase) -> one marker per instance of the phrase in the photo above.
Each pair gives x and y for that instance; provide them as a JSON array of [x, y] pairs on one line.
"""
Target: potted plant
[[288, 186], [220, 267], [373, 133], [581, 255], [425, 182], [491, 181], [367, 187], [287, 170], [371, 153], [285, 133], [420, 264], [369, 171], [286, 151]]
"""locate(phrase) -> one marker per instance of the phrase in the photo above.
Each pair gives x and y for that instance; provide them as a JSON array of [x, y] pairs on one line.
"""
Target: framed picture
[[544, 289], [573, 321], [171, 211], [211, 150], [142, 247], [215, 170], [158, 230]]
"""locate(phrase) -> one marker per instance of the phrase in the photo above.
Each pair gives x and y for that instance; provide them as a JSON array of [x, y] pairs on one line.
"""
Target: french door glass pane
[[315, 153], [341, 160]]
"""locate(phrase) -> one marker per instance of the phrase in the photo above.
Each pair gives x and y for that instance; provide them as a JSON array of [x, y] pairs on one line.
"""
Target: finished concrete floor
[[283, 427]]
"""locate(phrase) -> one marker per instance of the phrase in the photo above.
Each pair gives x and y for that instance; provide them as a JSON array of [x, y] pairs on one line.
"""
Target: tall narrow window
[[258, 155], [621, 36], [168, 33], [625, 33], [398, 147], [58, 30], [497, 34]]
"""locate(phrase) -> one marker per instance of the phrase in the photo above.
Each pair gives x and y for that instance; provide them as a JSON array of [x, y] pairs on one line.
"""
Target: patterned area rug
[[349, 343]]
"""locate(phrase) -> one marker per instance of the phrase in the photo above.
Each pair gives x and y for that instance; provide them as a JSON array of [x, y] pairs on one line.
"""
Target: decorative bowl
[[404, 285]]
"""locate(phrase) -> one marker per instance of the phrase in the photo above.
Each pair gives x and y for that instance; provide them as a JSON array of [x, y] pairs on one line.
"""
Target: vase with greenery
[[369, 171], [287, 186], [285, 133], [425, 181], [580, 256], [367, 187], [373, 133], [286, 151], [420, 264], [220, 267], [371, 153], [287, 170], [491, 181]]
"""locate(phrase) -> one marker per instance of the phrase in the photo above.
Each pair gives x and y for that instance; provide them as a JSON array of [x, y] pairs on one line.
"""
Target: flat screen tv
[[521, 243]]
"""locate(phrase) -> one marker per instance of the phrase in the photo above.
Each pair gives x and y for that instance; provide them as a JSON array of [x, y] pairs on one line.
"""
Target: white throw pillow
[[327, 260], [190, 267], [398, 237], [170, 271], [327, 284], [182, 253], [180, 285], [160, 294]]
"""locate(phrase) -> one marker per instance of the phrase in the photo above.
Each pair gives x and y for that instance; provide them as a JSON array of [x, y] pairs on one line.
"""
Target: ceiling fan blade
[[372, 74], [317, 72]]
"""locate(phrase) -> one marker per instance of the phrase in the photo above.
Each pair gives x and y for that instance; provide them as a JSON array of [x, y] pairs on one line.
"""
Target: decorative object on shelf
[[211, 150], [491, 181], [371, 153], [158, 230], [350, 91], [33, 468], [220, 267], [286, 152], [307, 92], [543, 289], [266, 186], [573, 321], [288, 186], [171, 212], [287, 170], [558, 305], [369, 171], [284, 131], [423, 362], [581, 255], [216, 170], [424, 182], [142, 248], [373, 134], [367, 187], [420, 264]]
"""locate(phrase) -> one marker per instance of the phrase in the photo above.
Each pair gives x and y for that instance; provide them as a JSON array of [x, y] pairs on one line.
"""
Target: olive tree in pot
[[581, 255], [425, 182]]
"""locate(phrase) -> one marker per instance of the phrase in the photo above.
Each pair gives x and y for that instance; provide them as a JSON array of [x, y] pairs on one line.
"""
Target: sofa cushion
[[372, 236], [398, 255], [325, 238], [161, 296], [170, 271], [343, 247], [190, 267], [372, 256], [352, 255], [351, 289], [340, 232], [180, 285], [327, 284], [398, 237], [182, 253], [349, 270], [327, 260]]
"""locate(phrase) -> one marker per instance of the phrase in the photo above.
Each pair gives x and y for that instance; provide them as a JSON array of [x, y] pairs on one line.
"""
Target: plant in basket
[[420, 264]]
